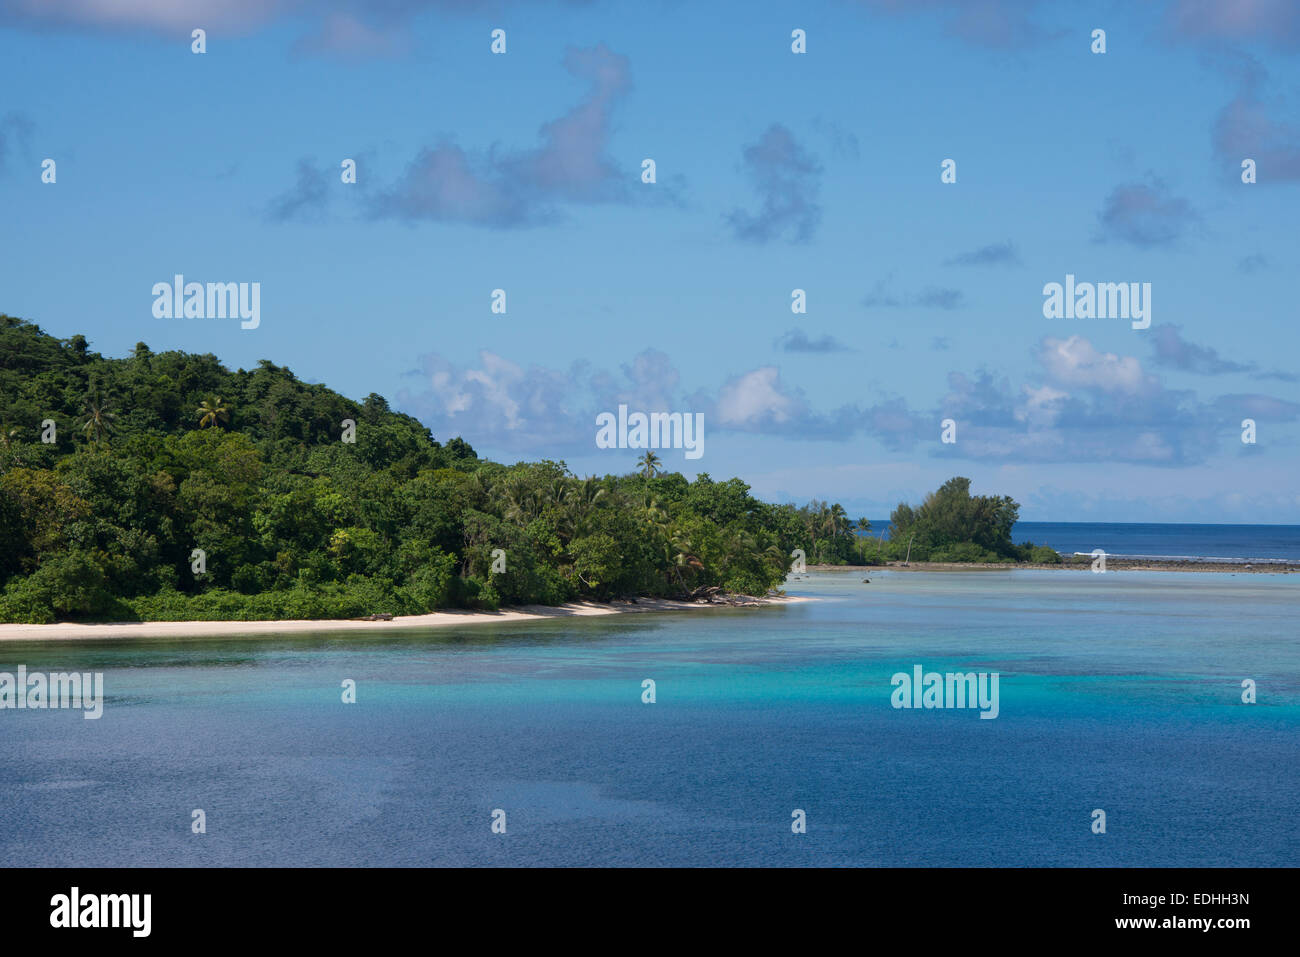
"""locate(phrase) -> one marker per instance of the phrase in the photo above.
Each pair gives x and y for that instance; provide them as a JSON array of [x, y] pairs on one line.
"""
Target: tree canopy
[[953, 525], [171, 487], [164, 486]]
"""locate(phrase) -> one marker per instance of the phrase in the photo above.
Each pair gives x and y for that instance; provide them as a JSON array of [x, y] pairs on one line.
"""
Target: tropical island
[[166, 487]]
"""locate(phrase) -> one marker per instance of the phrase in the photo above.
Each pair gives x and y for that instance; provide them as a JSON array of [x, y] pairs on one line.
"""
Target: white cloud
[[1041, 407], [154, 14], [753, 398], [1074, 361]]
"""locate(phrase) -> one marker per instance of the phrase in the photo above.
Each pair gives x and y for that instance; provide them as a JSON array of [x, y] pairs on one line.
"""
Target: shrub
[[964, 552], [1042, 555], [430, 587], [71, 585]]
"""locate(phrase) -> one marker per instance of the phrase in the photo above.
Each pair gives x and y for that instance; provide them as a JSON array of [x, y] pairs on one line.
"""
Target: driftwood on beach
[[713, 595]]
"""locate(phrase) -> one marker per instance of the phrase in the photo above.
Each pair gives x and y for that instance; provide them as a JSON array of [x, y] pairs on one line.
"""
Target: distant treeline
[[171, 488]]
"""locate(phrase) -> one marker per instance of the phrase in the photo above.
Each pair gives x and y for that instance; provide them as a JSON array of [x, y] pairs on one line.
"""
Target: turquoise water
[[1118, 691]]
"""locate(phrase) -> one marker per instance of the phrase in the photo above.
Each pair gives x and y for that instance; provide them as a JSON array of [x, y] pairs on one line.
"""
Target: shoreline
[[99, 631], [1082, 565]]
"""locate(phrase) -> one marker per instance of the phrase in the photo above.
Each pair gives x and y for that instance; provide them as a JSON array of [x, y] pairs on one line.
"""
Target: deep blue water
[[1244, 543], [1239, 542], [1118, 691]]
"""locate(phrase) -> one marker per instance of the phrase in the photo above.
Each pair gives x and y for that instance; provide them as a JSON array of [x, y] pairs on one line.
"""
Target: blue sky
[[775, 171]]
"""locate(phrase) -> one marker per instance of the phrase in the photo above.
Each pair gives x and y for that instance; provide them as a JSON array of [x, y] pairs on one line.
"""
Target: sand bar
[[98, 631]]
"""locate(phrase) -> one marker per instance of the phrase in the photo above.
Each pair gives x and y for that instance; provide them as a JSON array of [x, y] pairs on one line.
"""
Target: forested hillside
[[175, 488]]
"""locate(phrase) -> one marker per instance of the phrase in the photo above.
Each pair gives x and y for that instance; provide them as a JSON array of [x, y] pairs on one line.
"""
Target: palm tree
[[814, 521], [681, 554], [521, 503], [837, 521], [212, 412], [479, 488], [559, 493], [590, 492], [656, 516], [649, 464], [99, 421], [581, 504], [740, 545]]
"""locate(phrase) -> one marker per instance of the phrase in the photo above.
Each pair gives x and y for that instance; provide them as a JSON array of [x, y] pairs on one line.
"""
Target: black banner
[[329, 907]]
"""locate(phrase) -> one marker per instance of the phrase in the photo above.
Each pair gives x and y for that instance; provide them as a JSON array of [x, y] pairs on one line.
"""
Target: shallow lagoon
[[1119, 691]]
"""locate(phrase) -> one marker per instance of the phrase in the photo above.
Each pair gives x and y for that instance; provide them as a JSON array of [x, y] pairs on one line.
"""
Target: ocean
[[1119, 692], [1258, 544]]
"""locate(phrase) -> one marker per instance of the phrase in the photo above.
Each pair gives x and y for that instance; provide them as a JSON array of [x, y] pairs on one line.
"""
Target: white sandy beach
[[75, 631]]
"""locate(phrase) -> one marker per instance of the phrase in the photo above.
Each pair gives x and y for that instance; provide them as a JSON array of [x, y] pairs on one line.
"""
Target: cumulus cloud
[[499, 403], [153, 15], [571, 165], [883, 296], [306, 199], [347, 28], [1250, 126], [650, 381], [1276, 22], [994, 254], [1079, 404], [1171, 350], [894, 425], [761, 402], [796, 340], [530, 409], [940, 298], [787, 180], [571, 162], [1144, 214], [1082, 405], [445, 184], [347, 36], [362, 26], [997, 24], [755, 401], [1257, 406], [1076, 362]]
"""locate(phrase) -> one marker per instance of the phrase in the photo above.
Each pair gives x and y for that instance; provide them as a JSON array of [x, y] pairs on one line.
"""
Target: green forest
[[164, 486]]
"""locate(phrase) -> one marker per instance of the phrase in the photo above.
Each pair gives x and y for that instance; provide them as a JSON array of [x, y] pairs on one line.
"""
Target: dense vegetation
[[157, 455], [156, 458], [952, 525]]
